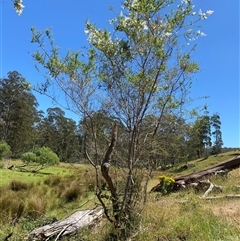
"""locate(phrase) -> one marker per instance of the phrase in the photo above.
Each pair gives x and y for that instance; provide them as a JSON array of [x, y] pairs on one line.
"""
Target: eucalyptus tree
[[200, 136], [142, 67], [170, 145], [217, 133], [59, 133], [205, 133], [18, 113]]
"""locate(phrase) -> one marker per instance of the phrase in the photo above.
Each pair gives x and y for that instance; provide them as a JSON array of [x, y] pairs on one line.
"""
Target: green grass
[[36, 199], [63, 169], [33, 198]]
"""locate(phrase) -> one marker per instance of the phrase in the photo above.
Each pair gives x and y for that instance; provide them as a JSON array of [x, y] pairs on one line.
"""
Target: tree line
[[24, 128]]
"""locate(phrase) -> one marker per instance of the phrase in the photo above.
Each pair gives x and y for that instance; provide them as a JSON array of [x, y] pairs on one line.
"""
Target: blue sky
[[217, 53]]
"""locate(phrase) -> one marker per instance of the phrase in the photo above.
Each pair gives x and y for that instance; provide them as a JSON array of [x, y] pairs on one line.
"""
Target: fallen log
[[226, 165], [185, 180], [67, 226]]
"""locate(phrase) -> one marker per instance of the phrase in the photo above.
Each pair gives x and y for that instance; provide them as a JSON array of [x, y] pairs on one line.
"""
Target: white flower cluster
[[126, 21], [130, 4], [185, 1], [101, 39], [134, 3], [197, 34], [201, 34], [203, 16], [18, 6]]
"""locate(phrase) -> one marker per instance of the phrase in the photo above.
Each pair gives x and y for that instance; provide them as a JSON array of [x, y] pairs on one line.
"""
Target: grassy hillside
[[202, 163], [193, 166], [30, 200]]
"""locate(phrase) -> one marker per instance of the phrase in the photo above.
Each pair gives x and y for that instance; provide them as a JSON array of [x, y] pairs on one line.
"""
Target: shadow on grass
[[44, 173], [33, 172]]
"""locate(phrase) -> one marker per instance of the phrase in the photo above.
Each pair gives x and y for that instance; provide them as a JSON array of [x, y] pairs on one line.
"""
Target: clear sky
[[217, 53]]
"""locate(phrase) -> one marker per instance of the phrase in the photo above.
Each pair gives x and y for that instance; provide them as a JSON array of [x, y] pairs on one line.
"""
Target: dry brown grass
[[16, 185], [229, 210], [36, 207]]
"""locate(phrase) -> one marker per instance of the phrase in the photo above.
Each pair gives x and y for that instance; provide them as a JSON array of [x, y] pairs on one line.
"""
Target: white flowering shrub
[[140, 69]]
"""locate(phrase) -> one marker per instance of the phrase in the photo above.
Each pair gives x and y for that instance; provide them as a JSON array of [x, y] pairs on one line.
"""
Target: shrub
[[46, 156], [29, 157], [41, 156], [166, 184], [4, 149]]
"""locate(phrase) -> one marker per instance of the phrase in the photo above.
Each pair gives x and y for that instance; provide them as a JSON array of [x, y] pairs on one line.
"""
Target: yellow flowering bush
[[166, 184]]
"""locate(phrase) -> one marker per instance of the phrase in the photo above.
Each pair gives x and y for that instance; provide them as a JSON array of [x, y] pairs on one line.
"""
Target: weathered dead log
[[223, 166], [183, 181], [67, 226], [211, 186]]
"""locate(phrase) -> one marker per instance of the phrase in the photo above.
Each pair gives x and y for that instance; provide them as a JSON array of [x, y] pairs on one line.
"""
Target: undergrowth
[[184, 215]]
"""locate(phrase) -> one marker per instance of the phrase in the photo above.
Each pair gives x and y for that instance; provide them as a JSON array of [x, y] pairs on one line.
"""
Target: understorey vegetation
[[29, 202]]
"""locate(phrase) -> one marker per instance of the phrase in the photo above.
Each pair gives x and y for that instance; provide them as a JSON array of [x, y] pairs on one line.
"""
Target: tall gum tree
[[18, 113], [217, 133], [143, 67]]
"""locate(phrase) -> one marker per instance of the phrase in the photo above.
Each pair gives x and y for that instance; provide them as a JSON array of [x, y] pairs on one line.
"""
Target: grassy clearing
[[30, 200], [63, 169]]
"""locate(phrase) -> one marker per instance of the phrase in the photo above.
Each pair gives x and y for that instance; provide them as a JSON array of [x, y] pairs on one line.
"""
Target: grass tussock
[[11, 207], [36, 207], [73, 192], [69, 188], [16, 185], [52, 180]]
